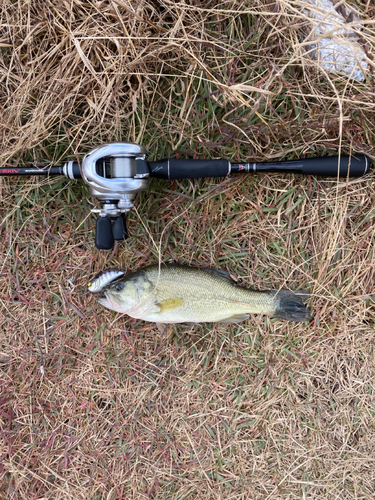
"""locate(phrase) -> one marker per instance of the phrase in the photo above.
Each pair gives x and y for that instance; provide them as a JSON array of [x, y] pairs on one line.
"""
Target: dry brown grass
[[95, 405]]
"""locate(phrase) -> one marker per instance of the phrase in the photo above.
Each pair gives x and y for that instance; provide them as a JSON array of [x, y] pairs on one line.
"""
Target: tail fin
[[289, 305]]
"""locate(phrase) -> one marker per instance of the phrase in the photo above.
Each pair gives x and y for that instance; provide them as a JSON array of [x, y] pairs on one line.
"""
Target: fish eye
[[119, 287]]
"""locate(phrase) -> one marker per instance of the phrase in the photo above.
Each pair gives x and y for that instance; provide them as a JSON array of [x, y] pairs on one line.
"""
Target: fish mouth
[[102, 295], [102, 298], [105, 300]]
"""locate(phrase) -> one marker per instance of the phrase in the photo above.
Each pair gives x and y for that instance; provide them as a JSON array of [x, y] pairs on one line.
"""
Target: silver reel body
[[115, 175]]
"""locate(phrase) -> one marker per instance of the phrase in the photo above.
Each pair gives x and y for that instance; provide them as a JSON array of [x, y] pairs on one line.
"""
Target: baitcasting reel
[[116, 172]]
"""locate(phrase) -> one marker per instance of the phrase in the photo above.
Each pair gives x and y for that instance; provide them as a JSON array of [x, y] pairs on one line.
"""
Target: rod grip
[[328, 166], [174, 168]]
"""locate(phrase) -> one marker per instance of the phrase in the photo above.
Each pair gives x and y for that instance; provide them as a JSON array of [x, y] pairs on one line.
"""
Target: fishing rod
[[117, 172]]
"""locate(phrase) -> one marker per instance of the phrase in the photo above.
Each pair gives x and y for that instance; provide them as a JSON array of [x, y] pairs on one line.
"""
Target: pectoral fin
[[237, 318], [165, 305], [162, 327]]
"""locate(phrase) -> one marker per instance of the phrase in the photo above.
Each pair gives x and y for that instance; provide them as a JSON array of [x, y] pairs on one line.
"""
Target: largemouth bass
[[182, 294]]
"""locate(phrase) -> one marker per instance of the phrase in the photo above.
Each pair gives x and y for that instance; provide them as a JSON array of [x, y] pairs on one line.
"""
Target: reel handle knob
[[104, 239], [119, 228]]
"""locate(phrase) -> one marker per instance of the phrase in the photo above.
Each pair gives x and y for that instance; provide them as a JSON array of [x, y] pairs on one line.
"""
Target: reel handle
[[120, 231], [104, 239], [108, 230]]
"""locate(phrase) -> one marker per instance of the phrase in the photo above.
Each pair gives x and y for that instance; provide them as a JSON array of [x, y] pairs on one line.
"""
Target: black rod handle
[[327, 166], [174, 168], [345, 166]]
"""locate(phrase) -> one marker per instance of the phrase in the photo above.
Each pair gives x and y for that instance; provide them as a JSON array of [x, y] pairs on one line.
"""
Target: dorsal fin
[[224, 275]]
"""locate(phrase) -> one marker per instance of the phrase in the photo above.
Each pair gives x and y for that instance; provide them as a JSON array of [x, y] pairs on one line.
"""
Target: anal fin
[[236, 318]]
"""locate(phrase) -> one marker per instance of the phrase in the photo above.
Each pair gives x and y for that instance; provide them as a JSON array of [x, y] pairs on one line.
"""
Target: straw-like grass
[[95, 405]]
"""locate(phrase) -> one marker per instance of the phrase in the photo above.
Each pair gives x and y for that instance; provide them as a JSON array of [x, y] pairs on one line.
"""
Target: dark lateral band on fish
[[183, 294]]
